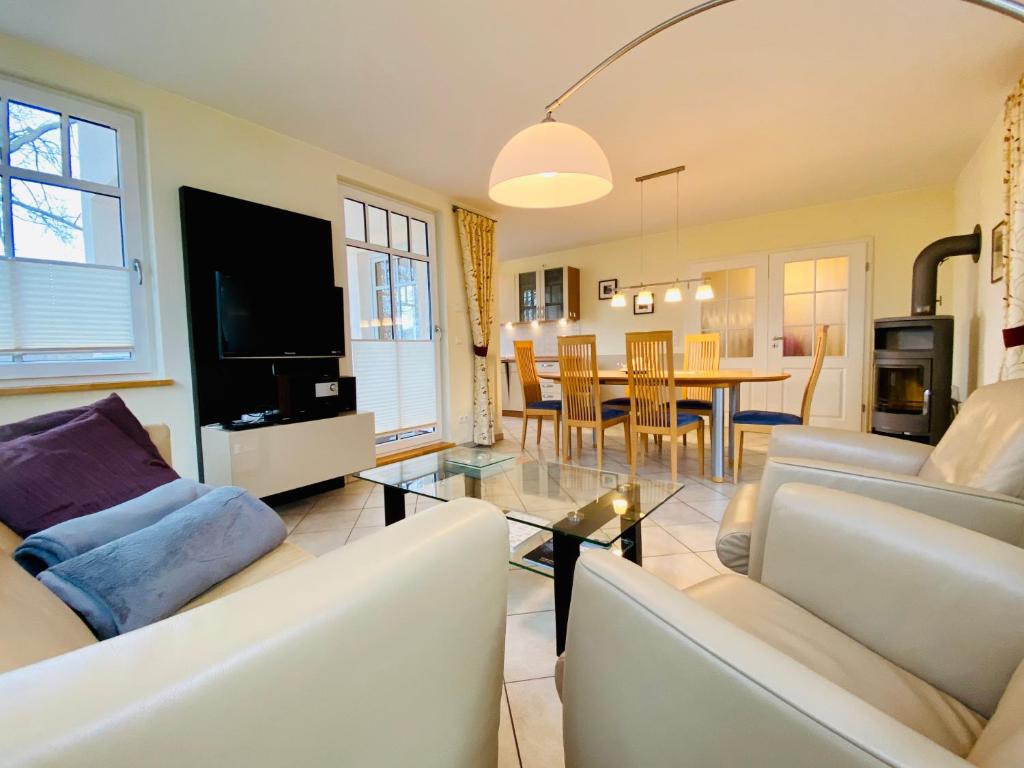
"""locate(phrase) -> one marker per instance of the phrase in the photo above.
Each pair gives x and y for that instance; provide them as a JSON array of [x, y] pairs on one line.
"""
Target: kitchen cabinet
[[549, 293]]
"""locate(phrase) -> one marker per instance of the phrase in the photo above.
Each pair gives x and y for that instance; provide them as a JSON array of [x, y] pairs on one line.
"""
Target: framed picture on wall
[[999, 244], [607, 288], [640, 309]]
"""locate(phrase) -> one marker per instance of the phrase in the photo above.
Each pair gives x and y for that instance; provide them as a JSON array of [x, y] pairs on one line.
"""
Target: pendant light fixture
[[552, 164], [644, 297], [704, 292], [673, 295]]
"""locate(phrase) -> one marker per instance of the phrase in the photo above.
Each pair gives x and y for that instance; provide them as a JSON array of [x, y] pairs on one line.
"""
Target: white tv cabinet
[[282, 457]]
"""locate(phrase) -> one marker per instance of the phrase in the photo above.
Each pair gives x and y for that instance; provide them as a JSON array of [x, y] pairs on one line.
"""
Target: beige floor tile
[[681, 571], [698, 537], [676, 513], [292, 514], [537, 714], [711, 558], [530, 645], [713, 509], [657, 542], [362, 533], [508, 752], [371, 516], [694, 491], [327, 520], [529, 592], [338, 500], [319, 542]]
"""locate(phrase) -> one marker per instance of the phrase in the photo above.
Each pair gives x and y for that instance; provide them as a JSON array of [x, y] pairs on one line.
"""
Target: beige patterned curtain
[[1013, 356], [476, 238]]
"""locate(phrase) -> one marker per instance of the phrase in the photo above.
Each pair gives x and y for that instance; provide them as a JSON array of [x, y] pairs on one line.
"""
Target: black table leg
[[394, 504], [632, 548], [567, 552]]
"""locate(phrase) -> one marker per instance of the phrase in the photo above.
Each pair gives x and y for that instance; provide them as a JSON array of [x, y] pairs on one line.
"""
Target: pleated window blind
[[73, 295]]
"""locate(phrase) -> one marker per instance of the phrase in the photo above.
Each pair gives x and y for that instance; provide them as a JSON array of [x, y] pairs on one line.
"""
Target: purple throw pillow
[[74, 469], [112, 407]]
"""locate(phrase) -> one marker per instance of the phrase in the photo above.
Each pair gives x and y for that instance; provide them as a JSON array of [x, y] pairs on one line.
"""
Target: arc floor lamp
[[552, 164]]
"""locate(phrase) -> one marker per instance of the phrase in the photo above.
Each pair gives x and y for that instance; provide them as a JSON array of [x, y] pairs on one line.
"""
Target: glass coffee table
[[553, 509]]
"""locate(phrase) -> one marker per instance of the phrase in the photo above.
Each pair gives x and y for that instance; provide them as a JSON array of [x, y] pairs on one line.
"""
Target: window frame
[[128, 127], [404, 437]]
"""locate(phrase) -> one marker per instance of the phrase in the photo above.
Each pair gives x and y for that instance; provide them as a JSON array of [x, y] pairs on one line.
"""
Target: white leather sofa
[[874, 636], [387, 652], [974, 477]]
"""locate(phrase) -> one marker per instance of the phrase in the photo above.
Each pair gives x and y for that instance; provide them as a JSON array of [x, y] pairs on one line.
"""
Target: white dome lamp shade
[[550, 165]]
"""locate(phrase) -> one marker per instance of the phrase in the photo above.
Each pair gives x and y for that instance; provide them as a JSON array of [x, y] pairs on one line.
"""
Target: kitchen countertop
[[539, 359]]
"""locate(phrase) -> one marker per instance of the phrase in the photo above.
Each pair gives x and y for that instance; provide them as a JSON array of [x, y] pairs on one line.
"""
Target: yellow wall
[[899, 225], [978, 351], [186, 143]]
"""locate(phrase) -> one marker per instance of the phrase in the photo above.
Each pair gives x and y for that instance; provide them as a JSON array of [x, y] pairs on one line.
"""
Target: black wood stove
[[913, 367]]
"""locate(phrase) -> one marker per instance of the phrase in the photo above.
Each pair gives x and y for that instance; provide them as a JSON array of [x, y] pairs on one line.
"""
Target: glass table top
[[594, 506]]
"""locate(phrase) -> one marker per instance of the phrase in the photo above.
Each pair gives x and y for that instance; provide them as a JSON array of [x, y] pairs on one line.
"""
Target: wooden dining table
[[719, 382]]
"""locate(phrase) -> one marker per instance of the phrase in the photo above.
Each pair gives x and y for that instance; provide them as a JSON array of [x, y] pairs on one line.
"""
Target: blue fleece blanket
[[149, 574], [75, 537]]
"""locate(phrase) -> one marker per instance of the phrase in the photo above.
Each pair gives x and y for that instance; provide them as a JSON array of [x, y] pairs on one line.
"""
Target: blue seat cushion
[[546, 405], [621, 401], [766, 418], [685, 419], [612, 413], [694, 405]]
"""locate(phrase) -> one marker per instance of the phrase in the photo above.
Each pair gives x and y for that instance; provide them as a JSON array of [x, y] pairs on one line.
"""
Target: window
[[731, 312], [394, 348], [72, 300], [814, 294]]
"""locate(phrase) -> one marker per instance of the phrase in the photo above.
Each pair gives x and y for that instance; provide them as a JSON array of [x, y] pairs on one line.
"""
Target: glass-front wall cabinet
[[551, 293], [529, 297]]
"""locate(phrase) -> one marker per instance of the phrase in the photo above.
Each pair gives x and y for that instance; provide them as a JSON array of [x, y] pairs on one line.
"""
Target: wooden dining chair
[[534, 405], [764, 421], [701, 352], [581, 397], [652, 387]]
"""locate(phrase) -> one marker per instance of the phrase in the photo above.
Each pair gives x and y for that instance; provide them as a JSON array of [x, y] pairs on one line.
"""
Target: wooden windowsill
[[89, 386], [412, 453]]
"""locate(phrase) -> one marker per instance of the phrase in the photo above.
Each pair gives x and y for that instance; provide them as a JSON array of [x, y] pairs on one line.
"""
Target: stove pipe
[[926, 267]]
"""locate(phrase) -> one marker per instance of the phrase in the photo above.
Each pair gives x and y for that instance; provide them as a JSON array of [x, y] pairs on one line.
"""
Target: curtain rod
[[470, 210]]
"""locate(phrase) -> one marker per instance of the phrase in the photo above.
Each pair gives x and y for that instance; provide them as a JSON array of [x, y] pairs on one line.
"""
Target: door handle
[[776, 340]]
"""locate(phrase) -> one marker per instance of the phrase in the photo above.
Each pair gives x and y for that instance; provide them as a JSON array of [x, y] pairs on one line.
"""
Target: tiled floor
[[679, 543]]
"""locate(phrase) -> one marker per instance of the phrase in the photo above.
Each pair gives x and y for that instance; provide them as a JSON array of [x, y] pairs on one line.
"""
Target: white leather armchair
[[877, 636], [385, 653], [974, 477]]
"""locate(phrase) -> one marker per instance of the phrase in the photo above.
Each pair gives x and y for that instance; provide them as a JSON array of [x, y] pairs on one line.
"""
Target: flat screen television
[[261, 318]]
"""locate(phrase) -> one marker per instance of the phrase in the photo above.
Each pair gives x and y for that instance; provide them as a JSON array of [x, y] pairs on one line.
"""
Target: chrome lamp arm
[[1011, 8]]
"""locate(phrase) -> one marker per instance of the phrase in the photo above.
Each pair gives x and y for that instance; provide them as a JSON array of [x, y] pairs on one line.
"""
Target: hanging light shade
[[550, 165], [644, 298], [673, 295], [704, 292], [619, 300]]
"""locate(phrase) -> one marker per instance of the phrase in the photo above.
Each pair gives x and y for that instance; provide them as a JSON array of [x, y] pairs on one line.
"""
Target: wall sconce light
[[673, 295], [704, 292], [644, 298], [619, 300]]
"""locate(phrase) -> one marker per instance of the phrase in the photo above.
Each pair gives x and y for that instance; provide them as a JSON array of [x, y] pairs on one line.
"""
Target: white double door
[[769, 307]]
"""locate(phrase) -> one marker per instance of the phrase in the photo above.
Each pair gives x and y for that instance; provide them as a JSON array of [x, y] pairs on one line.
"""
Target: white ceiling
[[772, 104]]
